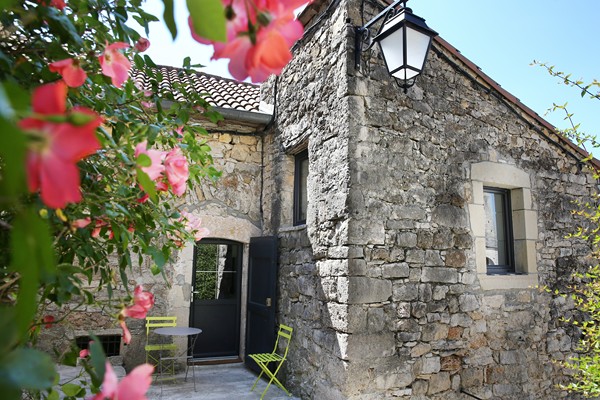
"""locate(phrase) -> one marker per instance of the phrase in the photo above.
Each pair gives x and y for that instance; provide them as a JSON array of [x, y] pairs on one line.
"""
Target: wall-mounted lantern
[[404, 39]]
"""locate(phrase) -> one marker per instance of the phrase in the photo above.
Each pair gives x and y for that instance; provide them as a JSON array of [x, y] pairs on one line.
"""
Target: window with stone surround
[[498, 231], [509, 189], [300, 187]]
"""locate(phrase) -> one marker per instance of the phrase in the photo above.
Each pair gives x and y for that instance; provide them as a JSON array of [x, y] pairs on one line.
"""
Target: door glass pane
[[215, 271]]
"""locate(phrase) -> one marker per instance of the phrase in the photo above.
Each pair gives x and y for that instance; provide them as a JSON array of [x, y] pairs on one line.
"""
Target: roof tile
[[221, 92]]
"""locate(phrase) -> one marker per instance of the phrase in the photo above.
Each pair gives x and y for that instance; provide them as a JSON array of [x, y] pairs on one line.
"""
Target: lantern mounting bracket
[[404, 39], [363, 33]]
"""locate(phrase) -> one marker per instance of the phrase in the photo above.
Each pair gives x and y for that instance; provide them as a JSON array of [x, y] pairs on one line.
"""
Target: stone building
[[400, 234]]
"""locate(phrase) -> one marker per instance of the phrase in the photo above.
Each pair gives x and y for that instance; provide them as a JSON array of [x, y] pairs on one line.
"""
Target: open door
[[262, 294]]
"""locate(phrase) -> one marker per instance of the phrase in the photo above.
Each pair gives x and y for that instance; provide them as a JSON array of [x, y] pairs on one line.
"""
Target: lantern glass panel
[[392, 49], [417, 44]]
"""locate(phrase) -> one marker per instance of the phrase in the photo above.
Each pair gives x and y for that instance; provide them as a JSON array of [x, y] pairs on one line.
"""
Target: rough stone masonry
[[381, 284]]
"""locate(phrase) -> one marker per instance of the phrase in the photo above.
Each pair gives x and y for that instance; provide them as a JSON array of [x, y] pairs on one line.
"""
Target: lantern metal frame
[[363, 36]]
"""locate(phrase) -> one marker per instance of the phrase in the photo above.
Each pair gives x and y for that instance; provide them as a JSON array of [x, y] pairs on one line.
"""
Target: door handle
[[268, 302]]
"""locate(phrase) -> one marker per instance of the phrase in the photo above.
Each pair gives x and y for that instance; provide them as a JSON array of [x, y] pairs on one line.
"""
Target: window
[[498, 231], [111, 344], [504, 222], [216, 268], [300, 187]]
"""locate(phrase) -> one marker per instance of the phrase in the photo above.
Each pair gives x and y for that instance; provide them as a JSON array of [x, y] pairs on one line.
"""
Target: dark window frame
[[299, 218], [509, 237]]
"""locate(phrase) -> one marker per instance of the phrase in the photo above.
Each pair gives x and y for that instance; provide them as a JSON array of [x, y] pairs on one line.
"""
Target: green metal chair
[[153, 351], [264, 359]]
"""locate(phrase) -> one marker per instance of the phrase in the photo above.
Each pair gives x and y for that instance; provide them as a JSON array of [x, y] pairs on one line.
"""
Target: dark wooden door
[[215, 306], [262, 292]]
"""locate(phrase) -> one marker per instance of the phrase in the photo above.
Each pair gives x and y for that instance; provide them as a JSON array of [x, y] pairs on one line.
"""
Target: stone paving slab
[[213, 382], [217, 382]]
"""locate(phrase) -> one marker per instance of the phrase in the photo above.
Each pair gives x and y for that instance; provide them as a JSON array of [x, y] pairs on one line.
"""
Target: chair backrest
[[284, 332], [159, 322]]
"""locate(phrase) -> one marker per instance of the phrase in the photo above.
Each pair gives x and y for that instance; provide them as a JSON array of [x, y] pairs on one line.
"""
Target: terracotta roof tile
[[220, 92]]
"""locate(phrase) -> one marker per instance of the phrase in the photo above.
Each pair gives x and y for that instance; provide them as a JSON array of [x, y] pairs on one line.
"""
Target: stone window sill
[[292, 228], [495, 282]]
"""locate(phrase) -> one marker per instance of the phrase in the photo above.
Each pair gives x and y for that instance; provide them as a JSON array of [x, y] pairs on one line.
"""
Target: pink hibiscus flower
[[133, 387], [52, 159], [176, 166], [264, 49], [126, 333], [114, 64], [70, 70], [142, 303]]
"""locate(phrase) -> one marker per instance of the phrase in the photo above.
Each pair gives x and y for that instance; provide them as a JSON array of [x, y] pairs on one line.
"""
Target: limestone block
[[427, 365], [406, 239], [405, 291], [396, 270], [420, 349], [366, 346], [450, 216], [433, 332], [439, 382], [368, 290], [439, 274], [456, 258], [468, 302]]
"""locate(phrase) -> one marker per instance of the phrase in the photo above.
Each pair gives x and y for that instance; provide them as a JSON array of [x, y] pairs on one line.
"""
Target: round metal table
[[179, 331]]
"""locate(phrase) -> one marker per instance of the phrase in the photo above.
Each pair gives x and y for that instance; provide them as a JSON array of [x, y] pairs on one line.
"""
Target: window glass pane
[[497, 233], [300, 188], [215, 271], [303, 198]]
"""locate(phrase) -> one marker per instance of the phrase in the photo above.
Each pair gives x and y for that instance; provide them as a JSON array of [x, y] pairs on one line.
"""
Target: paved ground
[[213, 382]]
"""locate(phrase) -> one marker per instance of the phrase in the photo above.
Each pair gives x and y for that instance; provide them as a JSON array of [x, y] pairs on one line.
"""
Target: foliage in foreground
[[586, 294]]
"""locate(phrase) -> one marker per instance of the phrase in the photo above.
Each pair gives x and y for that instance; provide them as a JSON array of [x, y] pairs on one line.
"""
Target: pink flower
[[193, 225], [176, 166], [265, 48], [81, 223], [133, 387], [70, 70], [126, 333], [60, 4], [85, 352], [114, 64], [52, 159], [143, 302], [48, 320], [142, 45], [156, 169]]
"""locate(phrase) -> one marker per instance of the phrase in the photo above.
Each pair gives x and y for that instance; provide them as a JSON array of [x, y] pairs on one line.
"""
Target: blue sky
[[501, 37]]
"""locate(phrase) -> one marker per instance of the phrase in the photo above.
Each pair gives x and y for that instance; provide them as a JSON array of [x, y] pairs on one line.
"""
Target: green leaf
[[147, 184], [33, 258], [97, 360], [26, 368], [208, 18], [53, 395], [71, 389], [169, 17], [144, 160], [12, 153]]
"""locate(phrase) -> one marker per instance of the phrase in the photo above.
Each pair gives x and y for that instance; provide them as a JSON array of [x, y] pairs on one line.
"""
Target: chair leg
[[257, 379]]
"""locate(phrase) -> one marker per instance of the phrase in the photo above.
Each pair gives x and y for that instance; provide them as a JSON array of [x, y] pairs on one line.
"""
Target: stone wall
[[312, 112], [382, 285]]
